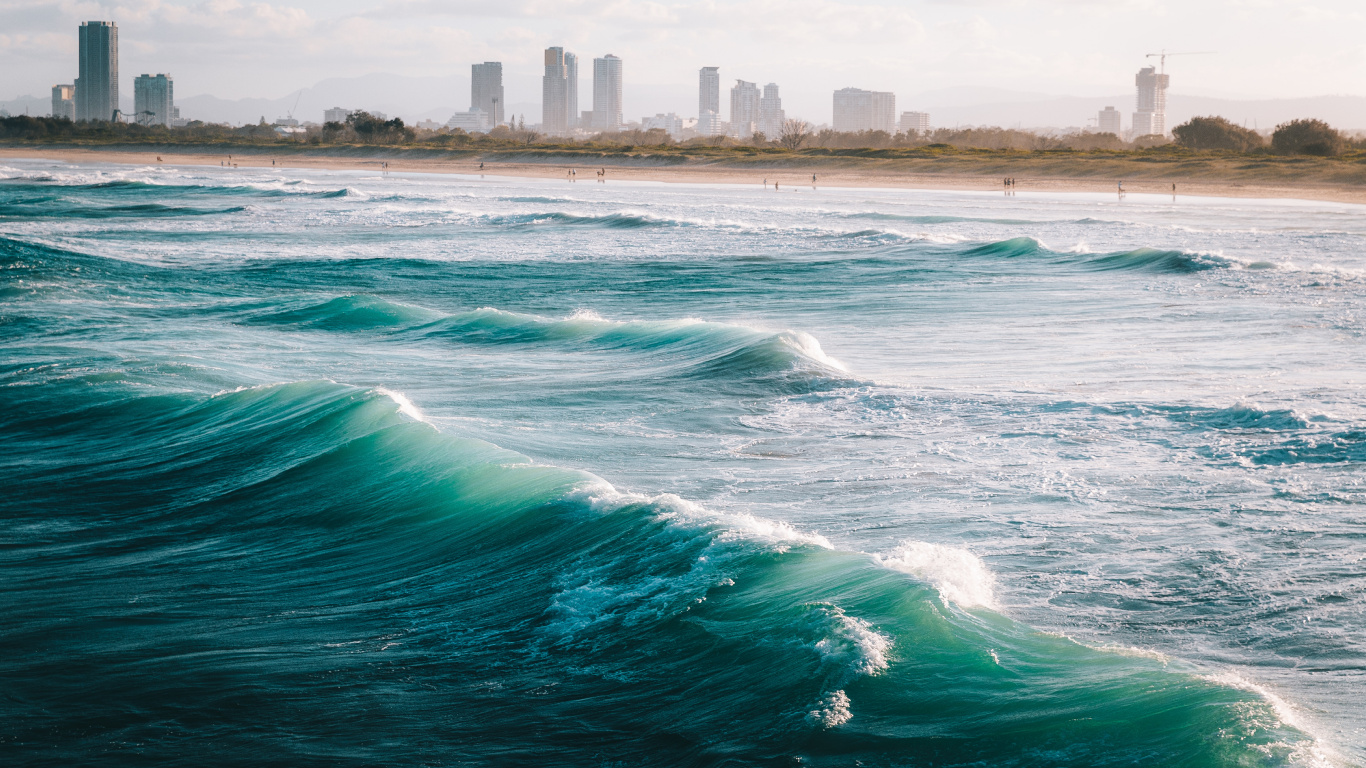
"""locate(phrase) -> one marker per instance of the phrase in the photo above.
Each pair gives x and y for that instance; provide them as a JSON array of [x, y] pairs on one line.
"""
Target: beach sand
[[794, 177]]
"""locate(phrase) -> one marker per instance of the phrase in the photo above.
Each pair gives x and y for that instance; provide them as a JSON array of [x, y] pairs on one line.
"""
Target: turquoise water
[[311, 468]]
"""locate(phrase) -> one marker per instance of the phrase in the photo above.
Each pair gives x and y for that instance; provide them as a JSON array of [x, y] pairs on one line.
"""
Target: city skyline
[[238, 51]]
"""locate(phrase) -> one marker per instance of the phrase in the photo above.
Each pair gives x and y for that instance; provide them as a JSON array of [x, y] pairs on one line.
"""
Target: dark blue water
[[343, 469]]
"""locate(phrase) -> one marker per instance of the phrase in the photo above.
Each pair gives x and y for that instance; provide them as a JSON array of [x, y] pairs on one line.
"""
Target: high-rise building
[[915, 122], [1150, 117], [64, 101], [336, 115], [486, 90], [571, 69], [1110, 121], [97, 86], [153, 100], [771, 115], [607, 94], [708, 97], [555, 93], [744, 109], [857, 110]]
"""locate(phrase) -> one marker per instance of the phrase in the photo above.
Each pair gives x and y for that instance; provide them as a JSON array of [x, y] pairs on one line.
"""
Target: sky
[[235, 49]]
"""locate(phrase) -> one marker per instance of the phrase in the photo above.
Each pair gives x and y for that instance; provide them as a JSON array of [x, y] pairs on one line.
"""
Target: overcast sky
[[235, 49]]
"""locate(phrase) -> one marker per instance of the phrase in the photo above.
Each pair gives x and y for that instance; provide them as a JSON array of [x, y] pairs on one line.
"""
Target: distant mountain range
[[436, 98]]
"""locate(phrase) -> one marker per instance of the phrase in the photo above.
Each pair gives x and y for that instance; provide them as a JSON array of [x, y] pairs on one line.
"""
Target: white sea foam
[[853, 644], [958, 575], [405, 406], [1312, 753], [832, 710]]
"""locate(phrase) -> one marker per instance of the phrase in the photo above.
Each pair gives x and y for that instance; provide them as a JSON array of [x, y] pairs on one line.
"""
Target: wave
[[617, 220], [347, 313], [1137, 260], [311, 557], [689, 346], [162, 189], [45, 210]]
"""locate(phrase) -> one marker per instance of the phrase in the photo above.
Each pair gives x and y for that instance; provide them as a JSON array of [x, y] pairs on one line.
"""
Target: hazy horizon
[[234, 50]]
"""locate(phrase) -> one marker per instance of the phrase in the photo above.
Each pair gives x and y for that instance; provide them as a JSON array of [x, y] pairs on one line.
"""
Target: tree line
[[1297, 137]]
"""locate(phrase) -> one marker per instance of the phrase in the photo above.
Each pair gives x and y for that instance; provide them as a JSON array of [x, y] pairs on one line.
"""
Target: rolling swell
[[304, 559], [686, 347], [1137, 260], [619, 220]]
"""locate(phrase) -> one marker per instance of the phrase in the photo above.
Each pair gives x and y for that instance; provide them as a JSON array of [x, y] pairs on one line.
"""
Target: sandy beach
[[796, 175]]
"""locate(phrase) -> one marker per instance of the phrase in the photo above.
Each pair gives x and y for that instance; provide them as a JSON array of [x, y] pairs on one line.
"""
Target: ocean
[[311, 468]]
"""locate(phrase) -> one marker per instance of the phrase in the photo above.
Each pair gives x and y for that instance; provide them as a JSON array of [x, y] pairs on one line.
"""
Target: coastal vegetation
[[1206, 149]]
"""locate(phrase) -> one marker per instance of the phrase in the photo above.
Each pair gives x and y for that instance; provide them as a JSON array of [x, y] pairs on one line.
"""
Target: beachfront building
[[474, 121], [744, 109], [557, 113], [709, 101], [486, 90], [64, 101], [97, 86], [1150, 118], [771, 114], [606, 94], [1110, 121], [857, 110], [153, 100], [671, 124], [915, 122]]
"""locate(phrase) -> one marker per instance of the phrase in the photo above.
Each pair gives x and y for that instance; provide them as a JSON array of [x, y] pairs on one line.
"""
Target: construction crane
[[290, 113], [1162, 57]]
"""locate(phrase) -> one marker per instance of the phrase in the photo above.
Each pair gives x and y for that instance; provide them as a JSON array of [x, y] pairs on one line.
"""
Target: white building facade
[[607, 94], [915, 122], [1150, 117], [771, 114], [671, 124], [857, 110], [474, 121], [1109, 120], [64, 101], [744, 109]]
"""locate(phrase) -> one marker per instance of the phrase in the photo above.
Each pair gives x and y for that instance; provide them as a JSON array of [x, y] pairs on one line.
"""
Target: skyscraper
[[64, 101], [744, 109], [153, 100], [555, 93], [607, 93], [1151, 115], [708, 98], [559, 93], [486, 90], [771, 115], [1110, 121], [571, 69], [97, 86], [857, 110]]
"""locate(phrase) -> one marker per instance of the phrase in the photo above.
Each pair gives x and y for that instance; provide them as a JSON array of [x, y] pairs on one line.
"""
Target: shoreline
[[795, 175]]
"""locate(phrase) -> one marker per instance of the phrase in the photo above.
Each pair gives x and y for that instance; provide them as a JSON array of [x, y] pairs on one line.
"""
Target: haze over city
[[975, 52]]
